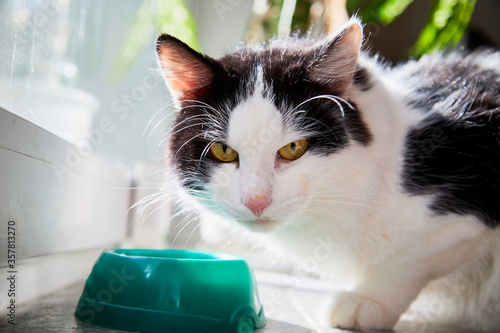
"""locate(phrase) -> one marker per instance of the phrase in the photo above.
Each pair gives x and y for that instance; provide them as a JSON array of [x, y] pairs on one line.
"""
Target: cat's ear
[[187, 72], [336, 59]]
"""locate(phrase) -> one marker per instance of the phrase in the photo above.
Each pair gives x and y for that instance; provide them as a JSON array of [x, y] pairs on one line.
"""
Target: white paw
[[353, 311]]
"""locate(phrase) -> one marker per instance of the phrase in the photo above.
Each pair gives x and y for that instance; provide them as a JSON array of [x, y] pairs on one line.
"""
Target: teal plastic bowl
[[171, 291]]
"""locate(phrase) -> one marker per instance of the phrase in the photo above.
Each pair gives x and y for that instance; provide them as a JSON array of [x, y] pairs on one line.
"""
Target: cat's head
[[255, 127]]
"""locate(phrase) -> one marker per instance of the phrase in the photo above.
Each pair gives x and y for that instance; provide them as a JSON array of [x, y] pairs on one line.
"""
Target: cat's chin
[[261, 224]]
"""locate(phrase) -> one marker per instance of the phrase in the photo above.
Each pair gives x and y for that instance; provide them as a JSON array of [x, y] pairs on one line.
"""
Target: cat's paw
[[353, 311]]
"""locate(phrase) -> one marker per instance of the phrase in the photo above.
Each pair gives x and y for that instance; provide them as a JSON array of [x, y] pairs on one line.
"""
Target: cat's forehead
[[277, 60], [257, 122], [274, 81], [271, 81]]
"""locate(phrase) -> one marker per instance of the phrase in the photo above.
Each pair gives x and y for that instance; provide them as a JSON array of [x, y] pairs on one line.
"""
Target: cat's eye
[[223, 152], [293, 150]]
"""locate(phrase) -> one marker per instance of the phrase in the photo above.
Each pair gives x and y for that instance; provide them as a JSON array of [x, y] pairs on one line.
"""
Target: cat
[[399, 166]]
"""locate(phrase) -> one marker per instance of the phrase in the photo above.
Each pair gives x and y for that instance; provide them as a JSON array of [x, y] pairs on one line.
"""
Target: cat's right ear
[[188, 73], [336, 59]]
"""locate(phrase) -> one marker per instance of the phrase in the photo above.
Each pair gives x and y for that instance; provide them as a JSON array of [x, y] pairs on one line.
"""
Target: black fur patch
[[362, 79], [454, 154], [188, 142]]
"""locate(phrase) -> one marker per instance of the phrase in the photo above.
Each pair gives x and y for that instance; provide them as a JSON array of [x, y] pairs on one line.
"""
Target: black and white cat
[[399, 166]]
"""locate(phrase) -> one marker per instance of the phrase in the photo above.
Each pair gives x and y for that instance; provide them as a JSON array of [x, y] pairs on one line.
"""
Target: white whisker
[[332, 98], [158, 123], [184, 226], [187, 142], [192, 233], [149, 213]]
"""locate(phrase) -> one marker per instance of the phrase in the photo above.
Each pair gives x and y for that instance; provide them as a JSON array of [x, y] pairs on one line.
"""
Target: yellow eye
[[293, 150], [223, 152]]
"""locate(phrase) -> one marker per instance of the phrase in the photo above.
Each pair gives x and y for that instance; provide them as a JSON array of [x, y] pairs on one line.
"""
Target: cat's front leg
[[386, 291], [354, 311], [374, 306]]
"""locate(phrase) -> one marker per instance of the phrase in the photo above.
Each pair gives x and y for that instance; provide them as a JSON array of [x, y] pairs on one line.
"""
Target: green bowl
[[171, 291]]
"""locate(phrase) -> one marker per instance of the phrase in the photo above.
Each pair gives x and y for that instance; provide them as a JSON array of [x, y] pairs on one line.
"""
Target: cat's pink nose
[[257, 204]]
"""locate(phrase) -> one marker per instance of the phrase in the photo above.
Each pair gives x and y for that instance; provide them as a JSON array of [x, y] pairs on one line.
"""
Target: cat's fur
[[402, 170]]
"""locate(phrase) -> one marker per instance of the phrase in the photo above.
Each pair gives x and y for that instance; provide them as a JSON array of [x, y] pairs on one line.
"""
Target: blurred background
[[84, 110], [97, 57]]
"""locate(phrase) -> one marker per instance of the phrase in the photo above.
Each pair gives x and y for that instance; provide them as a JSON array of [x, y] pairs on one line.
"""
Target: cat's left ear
[[188, 73], [335, 62]]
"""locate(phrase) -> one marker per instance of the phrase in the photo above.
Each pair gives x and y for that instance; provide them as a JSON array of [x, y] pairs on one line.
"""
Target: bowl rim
[[175, 254]]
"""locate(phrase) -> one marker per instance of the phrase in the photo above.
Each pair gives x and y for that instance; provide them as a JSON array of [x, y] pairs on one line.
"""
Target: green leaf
[[136, 38], [390, 10], [445, 27], [160, 16], [174, 17], [384, 11]]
